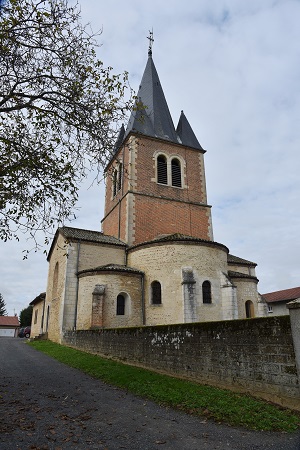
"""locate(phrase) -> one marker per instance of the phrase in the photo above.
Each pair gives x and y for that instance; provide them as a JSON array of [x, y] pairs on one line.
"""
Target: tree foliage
[[26, 316], [60, 109], [3, 311]]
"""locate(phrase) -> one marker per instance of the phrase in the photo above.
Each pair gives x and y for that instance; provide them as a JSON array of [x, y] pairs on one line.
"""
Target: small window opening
[[206, 292], [115, 182], [35, 316], [120, 305], [156, 292], [120, 173], [176, 173], [162, 172]]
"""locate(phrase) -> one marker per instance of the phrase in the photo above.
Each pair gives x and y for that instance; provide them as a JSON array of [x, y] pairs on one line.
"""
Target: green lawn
[[205, 401]]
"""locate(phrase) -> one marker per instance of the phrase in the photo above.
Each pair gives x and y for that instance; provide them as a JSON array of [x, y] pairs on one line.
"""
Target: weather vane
[[151, 40]]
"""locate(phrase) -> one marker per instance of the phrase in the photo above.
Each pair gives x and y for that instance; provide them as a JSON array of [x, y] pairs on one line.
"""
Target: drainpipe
[[77, 287]]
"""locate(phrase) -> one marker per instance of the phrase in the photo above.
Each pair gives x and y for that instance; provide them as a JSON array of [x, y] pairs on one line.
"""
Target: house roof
[[9, 321], [78, 234], [152, 117], [231, 259], [282, 296], [40, 298]]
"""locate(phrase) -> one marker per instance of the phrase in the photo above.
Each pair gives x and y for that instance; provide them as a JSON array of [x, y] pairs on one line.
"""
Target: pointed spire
[[154, 119], [186, 134]]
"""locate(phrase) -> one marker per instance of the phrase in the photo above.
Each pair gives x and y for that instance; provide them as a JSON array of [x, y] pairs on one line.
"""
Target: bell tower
[[155, 181]]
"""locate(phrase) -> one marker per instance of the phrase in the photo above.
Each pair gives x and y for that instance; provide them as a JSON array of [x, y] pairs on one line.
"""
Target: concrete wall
[[278, 309], [255, 356]]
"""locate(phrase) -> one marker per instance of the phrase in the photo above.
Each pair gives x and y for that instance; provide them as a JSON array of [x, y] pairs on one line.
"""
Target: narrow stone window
[[249, 309], [120, 305], [162, 170], [156, 293], [35, 316], [55, 281], [115, 182], [176, 172], [206, 292], [120, 174]]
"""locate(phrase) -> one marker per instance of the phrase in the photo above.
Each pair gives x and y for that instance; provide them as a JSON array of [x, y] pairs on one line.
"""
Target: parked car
[[24, 332]]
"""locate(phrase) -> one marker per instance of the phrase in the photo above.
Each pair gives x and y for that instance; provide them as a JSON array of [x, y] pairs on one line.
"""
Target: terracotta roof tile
[[9, 321], [281, 296]]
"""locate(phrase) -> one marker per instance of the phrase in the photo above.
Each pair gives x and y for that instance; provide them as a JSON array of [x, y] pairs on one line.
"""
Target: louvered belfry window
[[176, 173], [162, 172]]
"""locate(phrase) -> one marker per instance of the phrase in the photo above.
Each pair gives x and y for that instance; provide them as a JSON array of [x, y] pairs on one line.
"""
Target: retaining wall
[[255, 356]]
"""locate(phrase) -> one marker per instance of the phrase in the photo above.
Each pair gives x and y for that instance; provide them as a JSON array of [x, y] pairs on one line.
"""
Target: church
[[155, 262]]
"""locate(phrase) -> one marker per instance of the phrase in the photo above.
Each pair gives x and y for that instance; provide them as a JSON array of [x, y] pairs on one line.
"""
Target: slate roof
[[89, 235], [185, 133], [178, 237], [152, 116], [233, 274], [282, 296], [231, 259], [9, 321], [112, 268], [78, 234]]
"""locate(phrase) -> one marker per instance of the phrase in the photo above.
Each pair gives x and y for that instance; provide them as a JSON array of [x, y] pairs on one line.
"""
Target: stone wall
[[255, 356]]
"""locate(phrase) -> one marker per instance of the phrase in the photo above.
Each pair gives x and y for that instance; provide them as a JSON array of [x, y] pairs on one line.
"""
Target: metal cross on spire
[[151, 40]]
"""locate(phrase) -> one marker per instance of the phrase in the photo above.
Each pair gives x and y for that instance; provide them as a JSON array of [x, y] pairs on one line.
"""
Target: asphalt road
[[47, 405]]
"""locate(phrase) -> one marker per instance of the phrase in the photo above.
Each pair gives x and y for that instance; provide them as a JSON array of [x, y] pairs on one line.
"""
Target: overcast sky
[[233, 67]]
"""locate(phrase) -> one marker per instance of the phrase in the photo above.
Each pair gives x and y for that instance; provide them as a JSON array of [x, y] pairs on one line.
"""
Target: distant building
[[277, 300], [156, 261], [37, 321], [9, 326]]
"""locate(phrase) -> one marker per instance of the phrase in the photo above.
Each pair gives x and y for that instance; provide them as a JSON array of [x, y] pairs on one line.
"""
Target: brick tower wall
[[143, 209]]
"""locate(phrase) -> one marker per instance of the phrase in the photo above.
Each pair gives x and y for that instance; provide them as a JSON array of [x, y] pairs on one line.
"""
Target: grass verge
[[205, 401]]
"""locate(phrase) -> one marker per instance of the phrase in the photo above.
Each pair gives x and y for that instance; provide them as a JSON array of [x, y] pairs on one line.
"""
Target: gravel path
[[47, 405]]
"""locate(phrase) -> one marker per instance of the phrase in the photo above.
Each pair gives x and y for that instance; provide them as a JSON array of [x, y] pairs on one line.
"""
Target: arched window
[[176, 172], [115, 182], [249, 309], [155, 293], [55, 281], [120, 305], [206, 292], [162, 170]]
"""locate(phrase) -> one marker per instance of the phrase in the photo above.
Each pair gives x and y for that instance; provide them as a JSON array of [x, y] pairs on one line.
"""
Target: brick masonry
[[142, 209], [255, 356]]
